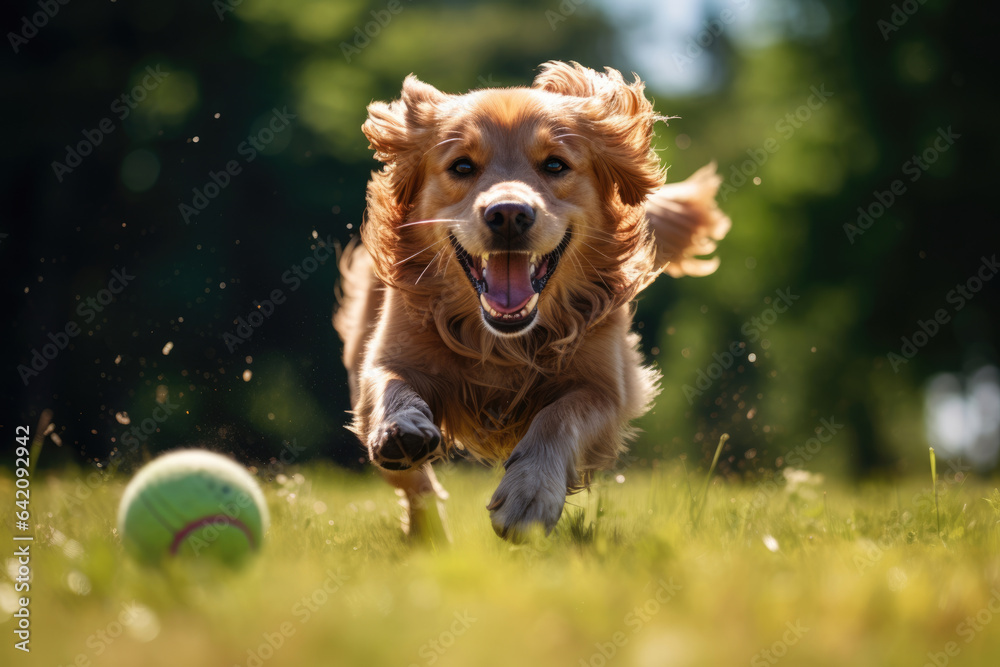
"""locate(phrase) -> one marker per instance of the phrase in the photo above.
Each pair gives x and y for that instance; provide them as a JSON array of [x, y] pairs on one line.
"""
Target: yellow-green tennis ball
[[192, 503]]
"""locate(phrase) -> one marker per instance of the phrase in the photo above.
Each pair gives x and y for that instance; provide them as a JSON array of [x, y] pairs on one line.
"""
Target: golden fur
[[426, 372]]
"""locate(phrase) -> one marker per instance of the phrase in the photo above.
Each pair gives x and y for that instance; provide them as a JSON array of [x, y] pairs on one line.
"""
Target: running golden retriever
[[487, 306]]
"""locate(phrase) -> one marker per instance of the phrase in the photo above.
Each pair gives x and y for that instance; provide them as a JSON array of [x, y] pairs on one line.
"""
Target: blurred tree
[[867, 263], [213, 151], [215, 183]]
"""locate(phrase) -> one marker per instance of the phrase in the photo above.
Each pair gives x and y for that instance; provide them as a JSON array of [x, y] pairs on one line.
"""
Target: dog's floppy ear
[[686, 222], [621, 121], [397, 132]]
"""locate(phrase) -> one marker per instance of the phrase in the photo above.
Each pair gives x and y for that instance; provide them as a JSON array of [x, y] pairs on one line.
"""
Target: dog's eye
[[462, 166], [555, 166]]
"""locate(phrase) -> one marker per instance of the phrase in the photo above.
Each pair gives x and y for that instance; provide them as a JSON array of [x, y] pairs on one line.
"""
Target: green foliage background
[[231, 65]]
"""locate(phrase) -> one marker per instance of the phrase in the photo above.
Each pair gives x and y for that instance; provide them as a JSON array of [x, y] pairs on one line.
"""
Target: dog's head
[[534, 194]]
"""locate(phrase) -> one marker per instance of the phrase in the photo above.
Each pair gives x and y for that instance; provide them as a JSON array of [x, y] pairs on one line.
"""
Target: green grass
[[861, 572]]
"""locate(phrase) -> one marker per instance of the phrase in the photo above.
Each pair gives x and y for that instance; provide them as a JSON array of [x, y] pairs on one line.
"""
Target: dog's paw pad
[[405, 443]]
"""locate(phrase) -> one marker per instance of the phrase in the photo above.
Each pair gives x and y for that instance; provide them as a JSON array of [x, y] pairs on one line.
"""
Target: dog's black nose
[[509, 218]]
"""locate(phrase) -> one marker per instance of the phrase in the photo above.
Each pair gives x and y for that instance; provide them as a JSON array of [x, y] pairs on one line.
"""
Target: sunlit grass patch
[[796, 570]]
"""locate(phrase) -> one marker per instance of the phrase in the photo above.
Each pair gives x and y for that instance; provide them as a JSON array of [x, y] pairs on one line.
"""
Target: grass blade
[[937, 510], [708, 478], [36, 443]]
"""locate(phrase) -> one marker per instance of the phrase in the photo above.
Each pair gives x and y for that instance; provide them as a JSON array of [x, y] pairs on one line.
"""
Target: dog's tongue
[[508, 281]]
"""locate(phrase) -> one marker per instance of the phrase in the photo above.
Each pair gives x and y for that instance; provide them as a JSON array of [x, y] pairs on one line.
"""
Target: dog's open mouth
[[509, 283]]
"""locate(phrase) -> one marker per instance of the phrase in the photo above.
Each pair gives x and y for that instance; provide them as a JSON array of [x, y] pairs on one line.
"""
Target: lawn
[[799, 572]]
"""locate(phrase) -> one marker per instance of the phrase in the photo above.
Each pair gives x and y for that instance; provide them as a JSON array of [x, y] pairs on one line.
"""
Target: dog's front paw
[[407, 440], [527, 496]]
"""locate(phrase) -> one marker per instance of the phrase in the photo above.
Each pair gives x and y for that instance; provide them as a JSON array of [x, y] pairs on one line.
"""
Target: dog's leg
[[398, 428], [422, 498], [396, 424], [543, 465]]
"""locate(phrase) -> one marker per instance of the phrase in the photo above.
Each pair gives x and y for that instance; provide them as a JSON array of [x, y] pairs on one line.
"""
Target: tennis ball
[[192, 503]]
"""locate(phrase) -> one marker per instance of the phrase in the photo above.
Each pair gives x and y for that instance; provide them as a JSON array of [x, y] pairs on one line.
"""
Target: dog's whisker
[[428, 222], [593, 231], [595, 234], [442, 142], [606, 238], [591, 266], [420, 251], [596, 250], [436, 255], [560, 137]]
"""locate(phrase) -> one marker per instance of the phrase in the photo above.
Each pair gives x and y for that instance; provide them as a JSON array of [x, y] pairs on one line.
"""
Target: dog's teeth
[[521, 314], [533, 268]]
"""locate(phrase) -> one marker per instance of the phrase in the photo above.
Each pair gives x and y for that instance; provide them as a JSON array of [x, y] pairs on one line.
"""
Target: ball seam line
[[182, 534]]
